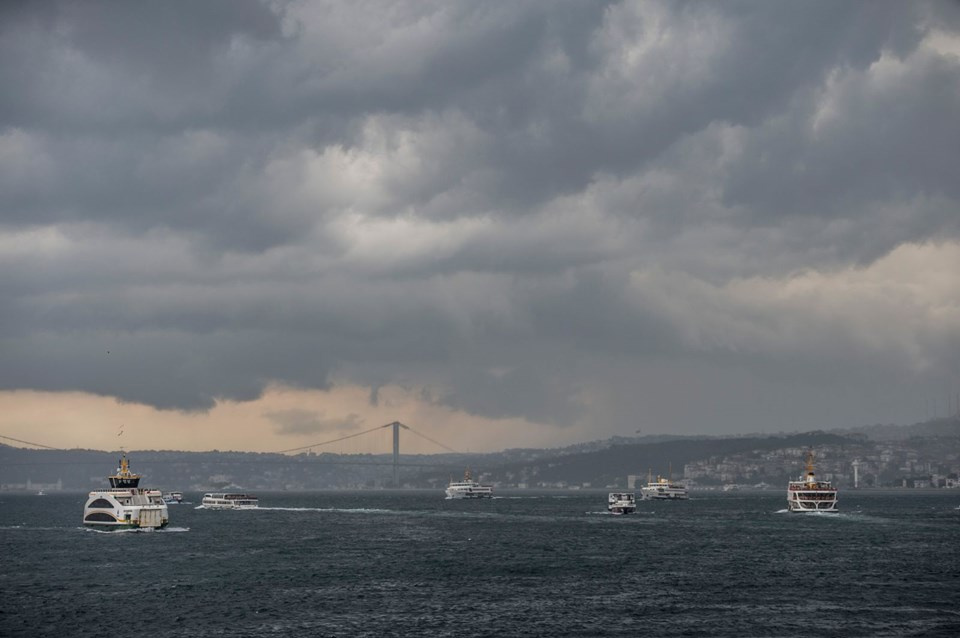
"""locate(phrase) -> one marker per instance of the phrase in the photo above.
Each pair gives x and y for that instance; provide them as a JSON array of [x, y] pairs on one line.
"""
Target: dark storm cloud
[[515, 206], [85, 67]]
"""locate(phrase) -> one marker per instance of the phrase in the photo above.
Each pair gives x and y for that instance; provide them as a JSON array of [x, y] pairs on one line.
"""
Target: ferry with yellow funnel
[[125, 505], [810, 495], [663, 489]]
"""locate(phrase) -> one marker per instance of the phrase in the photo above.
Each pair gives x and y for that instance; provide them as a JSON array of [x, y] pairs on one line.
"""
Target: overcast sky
[[257, 225]]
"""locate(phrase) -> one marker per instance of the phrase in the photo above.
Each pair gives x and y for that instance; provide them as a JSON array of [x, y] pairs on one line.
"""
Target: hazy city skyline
[[257, 225]]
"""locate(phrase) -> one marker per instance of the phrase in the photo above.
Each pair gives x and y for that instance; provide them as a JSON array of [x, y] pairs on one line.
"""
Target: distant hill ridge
[[598, 463], [945, 426]]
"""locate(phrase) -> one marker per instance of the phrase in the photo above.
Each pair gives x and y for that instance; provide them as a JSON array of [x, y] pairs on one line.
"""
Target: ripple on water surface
[[394, 564]]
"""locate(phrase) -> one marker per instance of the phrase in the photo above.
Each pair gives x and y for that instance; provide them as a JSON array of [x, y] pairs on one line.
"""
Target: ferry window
[[100, 517], [102, 503]]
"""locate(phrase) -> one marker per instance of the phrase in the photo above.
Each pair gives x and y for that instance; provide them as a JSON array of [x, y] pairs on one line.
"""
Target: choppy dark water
[[414, 564]]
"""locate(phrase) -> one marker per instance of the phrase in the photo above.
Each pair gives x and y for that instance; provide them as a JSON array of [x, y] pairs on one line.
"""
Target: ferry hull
[[813, 510], [454, 494], [665, 497], [126, 518], [825, 505], [208, 506], [122, 526]]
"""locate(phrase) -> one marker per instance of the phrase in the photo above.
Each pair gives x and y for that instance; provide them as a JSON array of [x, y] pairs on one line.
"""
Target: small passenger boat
[[621, 503], [229, 501]]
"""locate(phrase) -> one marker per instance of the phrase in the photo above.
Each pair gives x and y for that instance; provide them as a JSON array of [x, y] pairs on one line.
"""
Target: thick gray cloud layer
[[673, 216]]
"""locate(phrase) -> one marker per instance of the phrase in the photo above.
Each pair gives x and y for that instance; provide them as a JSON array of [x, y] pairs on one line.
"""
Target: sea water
[[382, 563]]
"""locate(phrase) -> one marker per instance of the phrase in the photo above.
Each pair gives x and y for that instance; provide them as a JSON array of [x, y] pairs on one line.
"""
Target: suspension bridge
[[394, 428]]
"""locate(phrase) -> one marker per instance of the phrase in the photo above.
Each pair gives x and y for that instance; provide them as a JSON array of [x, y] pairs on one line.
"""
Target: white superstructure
[[621, 502], [810, 495], [229, 501], [172, 498], [664, 489], [468, 488], [125, 505]]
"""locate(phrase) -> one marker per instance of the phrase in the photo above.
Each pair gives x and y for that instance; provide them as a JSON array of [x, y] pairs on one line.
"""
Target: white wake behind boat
[[125, 505], [810, 495], [468, 488]]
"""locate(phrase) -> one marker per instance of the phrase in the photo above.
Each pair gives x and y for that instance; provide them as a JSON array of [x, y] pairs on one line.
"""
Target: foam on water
[[126, 530], [387, 564], [347, 510]]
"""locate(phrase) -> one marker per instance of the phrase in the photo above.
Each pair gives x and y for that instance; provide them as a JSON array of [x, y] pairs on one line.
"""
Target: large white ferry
[[664, 489], [810, 495], [468, 488], [228, 501], [125, 505], [621, 503]]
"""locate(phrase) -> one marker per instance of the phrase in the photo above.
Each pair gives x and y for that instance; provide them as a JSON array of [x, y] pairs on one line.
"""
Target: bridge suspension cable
[[424, 436], [295, 449], [46, 447], [342, 438], [356, 434]]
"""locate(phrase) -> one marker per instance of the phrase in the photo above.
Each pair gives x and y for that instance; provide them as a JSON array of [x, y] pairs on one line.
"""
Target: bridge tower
[[396, 425]]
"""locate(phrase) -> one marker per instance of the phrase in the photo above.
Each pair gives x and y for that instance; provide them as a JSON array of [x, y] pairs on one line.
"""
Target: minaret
[[856, 474]]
